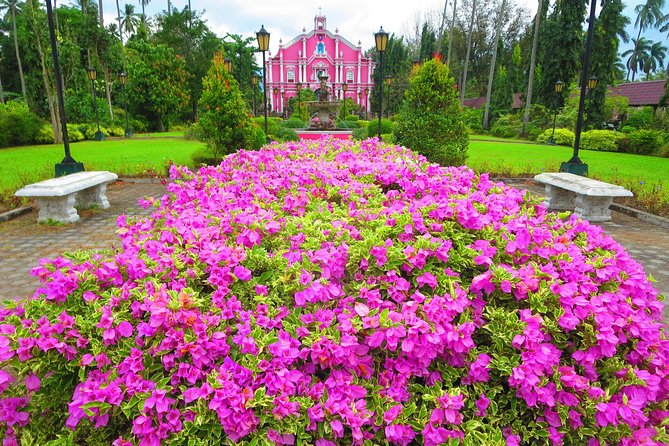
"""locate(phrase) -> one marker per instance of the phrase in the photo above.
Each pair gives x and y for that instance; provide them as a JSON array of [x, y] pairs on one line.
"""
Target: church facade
[[319, 53]]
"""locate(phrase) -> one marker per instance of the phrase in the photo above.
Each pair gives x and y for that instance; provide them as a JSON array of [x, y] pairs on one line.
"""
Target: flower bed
[[334, 293]]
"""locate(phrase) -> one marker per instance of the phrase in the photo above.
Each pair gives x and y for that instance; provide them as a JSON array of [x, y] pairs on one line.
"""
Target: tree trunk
[[2, 93], [18, 56], [102, 18], [105, 68], [450, 37], [469, 47], [491, 75], [634, 53], [120, 33], [169, 7], [533, 61], [55, 118], [440, 38]]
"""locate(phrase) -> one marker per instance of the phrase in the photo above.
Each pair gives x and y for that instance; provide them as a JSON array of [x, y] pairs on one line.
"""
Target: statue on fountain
[[323, 111]]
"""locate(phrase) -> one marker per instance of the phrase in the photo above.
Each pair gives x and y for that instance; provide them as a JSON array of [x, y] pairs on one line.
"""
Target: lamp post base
[[575, 168], [99, 136], [68, 168], [128, 134]]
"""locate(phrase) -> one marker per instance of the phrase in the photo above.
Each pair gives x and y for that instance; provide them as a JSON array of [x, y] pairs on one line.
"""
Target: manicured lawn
[[476, 137], [525, 158], [175, 134], [134, 157], [646, 176]]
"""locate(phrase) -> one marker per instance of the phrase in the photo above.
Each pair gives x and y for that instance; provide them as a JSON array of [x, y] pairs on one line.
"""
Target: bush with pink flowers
[[335, 293]]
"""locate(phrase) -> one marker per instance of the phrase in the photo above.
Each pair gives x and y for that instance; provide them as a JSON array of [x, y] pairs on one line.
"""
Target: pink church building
[[314, 53]]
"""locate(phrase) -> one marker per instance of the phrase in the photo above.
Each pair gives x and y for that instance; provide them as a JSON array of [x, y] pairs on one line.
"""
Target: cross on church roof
[[320, 10]]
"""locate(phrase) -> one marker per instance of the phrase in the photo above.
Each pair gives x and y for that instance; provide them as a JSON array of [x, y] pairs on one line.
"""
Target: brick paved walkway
[[23, 242]]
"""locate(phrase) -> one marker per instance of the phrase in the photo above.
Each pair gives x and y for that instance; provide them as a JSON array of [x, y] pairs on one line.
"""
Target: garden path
[[23, 242]]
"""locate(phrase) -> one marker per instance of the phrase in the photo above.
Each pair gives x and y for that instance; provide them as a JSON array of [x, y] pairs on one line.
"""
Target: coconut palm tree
[[654, 59], [648, 15], [12, 7], [130, 21], [636, 56], [144, 4]]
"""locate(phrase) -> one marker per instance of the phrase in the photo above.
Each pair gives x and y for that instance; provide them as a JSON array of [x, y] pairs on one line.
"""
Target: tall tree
[[469, 48], [13, 8], [533, 64], [493, 64], [144, 4], [648, 15], [442, 25], [427, 43], [130, 21], [655, 58], [609, 31], [636, 56], [450, 37]]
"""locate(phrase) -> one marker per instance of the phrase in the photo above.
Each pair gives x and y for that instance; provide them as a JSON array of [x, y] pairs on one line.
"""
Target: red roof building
[[640, 94]]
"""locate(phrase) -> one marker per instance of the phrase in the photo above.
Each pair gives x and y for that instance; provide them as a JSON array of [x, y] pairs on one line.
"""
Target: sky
[[357, 20]]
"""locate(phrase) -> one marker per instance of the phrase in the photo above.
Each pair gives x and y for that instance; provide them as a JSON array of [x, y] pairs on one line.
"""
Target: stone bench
[[590, 199], [57, 197]]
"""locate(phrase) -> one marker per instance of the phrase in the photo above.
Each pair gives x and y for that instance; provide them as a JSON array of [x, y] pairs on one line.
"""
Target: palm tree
[[12, 7], [648, 15], [130, 21], [469, 48], [654, 59], [491, 75], [144, 3], [169, 7], [636, 56], [533, 64]]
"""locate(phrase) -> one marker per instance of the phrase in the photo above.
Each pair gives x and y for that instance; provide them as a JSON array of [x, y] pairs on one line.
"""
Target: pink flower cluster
[[334, 293]]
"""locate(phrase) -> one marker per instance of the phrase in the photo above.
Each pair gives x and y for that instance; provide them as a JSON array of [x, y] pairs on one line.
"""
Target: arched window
[[291, 75], [349, 76], [320, 48]]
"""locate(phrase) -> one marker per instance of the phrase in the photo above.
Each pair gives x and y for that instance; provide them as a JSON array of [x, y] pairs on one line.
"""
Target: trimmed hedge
[[563, 137]]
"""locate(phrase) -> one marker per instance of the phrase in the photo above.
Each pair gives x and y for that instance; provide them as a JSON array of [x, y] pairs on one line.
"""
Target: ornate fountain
[[323, 112]]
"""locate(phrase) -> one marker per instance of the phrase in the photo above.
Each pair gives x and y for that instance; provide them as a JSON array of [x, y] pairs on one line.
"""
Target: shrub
[[45, 135], [473, 118], [259, 138], [563, 137], [624, 143], [628, 129], [347, 124], [600, 140], [286, 134], [431, 120], [224, 126], [354, 118], [294, 123], [74, 134], [331, 293], [360, 133], [116, 131], [507, 126], [387, 126], [645, 142], [641, 118], [272, 126], [18, 125]]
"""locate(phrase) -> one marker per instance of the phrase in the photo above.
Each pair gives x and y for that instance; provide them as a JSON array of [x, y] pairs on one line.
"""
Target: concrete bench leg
[[60, 209], [593, 208], [558, 199], [93, 196]]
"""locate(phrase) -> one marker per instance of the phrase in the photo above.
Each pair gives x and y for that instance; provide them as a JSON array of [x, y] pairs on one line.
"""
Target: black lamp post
[[389, 81], [68, 165], [123, 78], [559, 85], [254, 82], [263, 45], [381, 40], [366, 101], [92, 75], [299, 100], [276, 99], [359, 100], [344, 89], [575, 165]]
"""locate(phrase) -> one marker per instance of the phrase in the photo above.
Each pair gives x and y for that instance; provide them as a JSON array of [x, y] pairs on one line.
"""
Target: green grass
[[645, 176], [126, 157], [175, 134], [476, 137]]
